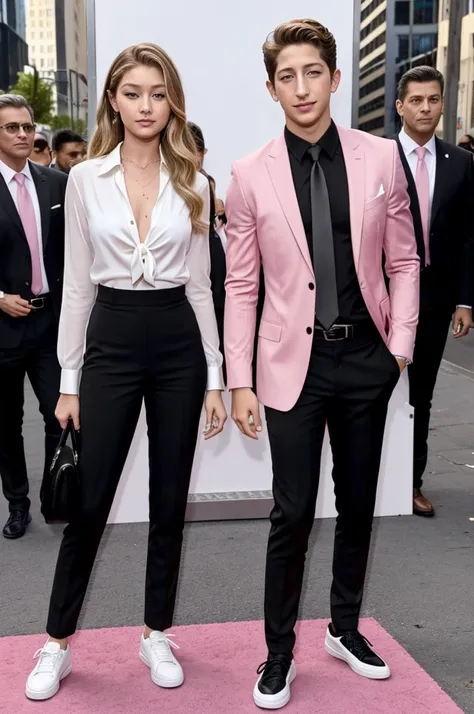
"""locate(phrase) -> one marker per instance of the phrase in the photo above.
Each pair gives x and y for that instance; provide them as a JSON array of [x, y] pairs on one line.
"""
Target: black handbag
[[60, 488]]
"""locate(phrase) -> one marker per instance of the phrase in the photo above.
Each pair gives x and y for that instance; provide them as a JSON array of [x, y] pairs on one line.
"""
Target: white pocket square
[[58, 205], [380, 193]]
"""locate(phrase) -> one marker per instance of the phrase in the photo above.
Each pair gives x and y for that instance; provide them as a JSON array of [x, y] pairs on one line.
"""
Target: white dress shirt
[[409, 147], [9, 176], [103, 247]]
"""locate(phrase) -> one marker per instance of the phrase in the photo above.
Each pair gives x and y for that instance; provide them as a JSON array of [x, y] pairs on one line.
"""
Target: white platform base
[[231, 473]]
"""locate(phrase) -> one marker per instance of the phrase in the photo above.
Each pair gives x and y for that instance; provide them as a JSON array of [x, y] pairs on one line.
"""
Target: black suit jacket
[[450, 279], [15, 257]]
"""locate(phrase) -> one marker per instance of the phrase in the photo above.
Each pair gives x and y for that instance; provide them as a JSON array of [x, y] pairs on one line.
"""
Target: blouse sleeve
[[199, 294], [78, 290]]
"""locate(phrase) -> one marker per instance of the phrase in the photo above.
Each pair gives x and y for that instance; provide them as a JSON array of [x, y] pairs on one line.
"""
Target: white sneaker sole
[[42, 696], [335, 649], [275, 701], [166, 683]]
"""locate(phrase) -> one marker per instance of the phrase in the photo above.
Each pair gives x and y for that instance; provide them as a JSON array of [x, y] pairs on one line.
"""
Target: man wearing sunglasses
[[31, 270]]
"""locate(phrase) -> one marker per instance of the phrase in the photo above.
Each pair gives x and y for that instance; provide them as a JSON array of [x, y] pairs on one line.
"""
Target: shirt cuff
[[70, 381], [405, 359], [215, 379], [468, 307]]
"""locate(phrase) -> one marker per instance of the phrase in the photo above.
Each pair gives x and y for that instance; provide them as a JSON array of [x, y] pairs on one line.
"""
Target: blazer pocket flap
[[269, 331]]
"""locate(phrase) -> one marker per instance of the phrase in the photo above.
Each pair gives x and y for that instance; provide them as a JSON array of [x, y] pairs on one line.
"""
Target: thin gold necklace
[[141, 168]]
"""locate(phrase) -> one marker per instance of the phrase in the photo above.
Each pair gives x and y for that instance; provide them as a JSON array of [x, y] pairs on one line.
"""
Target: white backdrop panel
[[217, 48]]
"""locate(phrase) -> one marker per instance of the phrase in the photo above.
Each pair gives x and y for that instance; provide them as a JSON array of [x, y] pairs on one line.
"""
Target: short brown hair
[[298, 32], [419, 74]]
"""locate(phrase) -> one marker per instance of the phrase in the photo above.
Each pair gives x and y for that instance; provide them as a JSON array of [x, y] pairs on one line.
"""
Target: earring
[[114, 120]]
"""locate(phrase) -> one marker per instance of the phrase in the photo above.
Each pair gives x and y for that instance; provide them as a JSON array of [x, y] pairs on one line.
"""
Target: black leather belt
[[338, 333], [38, 303]]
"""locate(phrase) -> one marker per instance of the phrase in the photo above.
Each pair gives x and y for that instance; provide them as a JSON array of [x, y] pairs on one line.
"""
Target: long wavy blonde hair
[[177, 144]]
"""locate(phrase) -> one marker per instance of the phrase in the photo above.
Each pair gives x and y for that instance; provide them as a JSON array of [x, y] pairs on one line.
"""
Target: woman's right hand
[[68, 408]]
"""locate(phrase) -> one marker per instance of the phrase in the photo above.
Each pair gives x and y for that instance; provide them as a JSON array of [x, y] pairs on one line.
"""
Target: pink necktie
[[28, 219], [423, 189]]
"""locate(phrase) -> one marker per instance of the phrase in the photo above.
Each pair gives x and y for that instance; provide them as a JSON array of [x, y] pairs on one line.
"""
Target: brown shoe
[[421, 505]]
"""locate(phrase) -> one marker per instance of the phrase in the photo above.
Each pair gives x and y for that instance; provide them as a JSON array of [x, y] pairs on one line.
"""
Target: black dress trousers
[[140, 346]]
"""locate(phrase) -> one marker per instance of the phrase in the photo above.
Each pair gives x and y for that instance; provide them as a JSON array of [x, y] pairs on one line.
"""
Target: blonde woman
[[137, 285]]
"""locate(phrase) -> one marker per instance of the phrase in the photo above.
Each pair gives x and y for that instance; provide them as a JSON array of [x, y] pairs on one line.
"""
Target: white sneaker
[[53, 665], [353, 648], [156, 653]]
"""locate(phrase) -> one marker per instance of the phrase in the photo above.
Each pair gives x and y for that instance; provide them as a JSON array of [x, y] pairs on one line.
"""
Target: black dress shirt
[[352, 308]]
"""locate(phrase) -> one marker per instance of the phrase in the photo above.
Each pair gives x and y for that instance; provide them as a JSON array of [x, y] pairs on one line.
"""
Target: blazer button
[[309, 330], [27, 284], [311, 286]]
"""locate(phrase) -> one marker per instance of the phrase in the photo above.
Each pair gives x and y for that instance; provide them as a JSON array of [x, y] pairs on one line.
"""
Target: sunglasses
[[15, 128]]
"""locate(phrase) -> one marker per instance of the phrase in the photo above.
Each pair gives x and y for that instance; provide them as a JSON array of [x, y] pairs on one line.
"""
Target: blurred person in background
[[69, 149], [217, 219], [440, 181], [41, 153], [31, 275], [467, 142]]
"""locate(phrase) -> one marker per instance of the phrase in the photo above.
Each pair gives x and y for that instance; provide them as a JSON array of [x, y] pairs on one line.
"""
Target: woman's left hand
[[216, 415]]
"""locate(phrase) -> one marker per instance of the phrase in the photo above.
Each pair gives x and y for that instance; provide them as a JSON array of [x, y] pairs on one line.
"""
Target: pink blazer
[[265, 225]]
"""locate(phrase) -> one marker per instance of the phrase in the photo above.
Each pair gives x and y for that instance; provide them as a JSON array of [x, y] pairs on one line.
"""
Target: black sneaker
[[353, 648], [272, 690]]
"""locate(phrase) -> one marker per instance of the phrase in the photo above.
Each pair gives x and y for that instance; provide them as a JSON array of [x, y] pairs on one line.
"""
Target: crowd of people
[[337, 260]]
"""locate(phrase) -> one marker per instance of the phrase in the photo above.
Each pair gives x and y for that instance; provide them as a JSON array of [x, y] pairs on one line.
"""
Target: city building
[[13, 47], [394, 36], [57, 39], [465, 117]]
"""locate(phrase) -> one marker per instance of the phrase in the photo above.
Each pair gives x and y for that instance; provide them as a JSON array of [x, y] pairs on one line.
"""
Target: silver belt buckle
[[347, 332], [37, 303]]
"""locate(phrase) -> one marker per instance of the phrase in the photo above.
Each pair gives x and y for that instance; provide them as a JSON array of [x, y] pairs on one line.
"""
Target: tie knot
[[421, 152], [20, 179], [315, 152]]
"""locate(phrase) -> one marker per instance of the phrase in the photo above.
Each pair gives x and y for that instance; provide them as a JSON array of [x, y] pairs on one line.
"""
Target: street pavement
[[461, 351]]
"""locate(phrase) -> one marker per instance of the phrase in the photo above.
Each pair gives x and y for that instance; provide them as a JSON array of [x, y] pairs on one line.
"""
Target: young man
[[31, 273], [69, 149], [441, 187], [318, 207]]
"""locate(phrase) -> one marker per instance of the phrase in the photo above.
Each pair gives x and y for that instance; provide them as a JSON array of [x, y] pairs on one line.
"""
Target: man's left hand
[[462, 322]]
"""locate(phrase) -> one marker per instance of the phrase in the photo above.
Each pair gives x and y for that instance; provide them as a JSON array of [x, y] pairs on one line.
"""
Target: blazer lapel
[[6, 202], [442, 178], [355, 168], [43, 190], [414, 204], [278, 164]]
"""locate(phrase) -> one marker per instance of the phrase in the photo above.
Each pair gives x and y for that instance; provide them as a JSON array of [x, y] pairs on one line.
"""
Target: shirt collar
[[9, 173], [409, 146], [112, 161], [329, 143]]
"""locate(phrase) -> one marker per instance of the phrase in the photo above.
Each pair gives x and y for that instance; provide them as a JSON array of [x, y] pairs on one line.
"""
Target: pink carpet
[[219, 663]]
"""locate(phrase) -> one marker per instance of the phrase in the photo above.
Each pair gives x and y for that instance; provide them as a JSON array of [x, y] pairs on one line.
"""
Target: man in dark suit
[[31, 270], [441, 187]]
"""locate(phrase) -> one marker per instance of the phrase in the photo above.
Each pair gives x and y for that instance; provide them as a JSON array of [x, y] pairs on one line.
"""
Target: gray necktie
[[327, 308]]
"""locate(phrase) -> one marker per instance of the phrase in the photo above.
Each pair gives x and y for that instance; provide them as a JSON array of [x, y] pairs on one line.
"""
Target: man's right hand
[[68, 408], [246, 412], [15, 306]]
